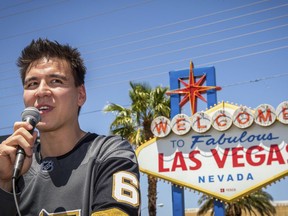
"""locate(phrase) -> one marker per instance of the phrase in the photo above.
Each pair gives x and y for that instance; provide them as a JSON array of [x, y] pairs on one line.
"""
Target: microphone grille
[[31, 112]]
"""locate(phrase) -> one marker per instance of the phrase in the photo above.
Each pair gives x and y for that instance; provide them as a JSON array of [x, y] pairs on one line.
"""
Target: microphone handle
[[20, 154]]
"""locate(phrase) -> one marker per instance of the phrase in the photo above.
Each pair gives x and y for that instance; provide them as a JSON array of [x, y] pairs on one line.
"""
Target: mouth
[[44, 108]]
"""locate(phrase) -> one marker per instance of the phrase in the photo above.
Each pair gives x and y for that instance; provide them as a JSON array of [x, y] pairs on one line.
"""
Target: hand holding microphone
[[32, 116]]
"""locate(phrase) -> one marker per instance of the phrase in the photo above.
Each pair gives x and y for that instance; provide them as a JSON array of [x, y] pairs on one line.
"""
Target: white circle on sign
[[221, 120], [181, 124], [282, 112], [265, 115], [243, 117], [201, 122], [160, 126]]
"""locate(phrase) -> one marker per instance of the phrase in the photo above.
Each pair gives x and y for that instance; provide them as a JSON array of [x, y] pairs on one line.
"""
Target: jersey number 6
[[125, 188]]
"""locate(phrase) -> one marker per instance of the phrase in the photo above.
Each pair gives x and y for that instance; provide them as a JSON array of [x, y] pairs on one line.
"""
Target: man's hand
[[20, 137]]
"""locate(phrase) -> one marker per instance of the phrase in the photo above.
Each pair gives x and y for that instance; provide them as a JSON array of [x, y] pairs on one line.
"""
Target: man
[[70, 172]]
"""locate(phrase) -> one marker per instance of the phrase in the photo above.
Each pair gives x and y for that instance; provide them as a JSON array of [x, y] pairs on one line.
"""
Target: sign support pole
[[177, 192], [178, 204]]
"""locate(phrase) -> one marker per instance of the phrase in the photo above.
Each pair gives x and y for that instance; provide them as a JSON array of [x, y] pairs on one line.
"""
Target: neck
[[58, 143]]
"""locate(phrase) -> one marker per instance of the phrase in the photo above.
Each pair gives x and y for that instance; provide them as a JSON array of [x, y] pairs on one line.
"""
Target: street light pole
[[157, 205]]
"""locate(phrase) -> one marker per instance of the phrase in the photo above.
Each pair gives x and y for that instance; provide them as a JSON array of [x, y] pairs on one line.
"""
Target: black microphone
[[31, 115]]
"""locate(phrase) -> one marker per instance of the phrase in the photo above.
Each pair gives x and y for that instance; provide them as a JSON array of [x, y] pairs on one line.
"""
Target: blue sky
[[136, 40]]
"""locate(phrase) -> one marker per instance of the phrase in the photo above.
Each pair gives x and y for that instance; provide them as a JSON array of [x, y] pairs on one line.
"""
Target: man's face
[[49, 86]]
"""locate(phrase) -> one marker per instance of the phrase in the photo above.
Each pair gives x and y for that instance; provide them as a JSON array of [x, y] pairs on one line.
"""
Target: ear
[[81, 95]]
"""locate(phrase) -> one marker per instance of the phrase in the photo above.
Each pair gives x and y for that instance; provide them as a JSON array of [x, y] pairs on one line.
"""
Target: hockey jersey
[[100, 176]]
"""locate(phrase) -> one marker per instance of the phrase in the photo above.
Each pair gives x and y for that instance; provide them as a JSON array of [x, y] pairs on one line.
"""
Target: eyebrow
[[59, 76], [29, 79]]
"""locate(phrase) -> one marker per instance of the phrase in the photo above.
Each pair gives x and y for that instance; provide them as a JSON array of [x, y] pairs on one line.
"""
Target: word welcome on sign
[[221, 119]]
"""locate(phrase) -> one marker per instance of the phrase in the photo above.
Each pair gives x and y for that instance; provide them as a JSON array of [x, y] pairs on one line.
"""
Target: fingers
[[7, 160], [9, 152], [22, 137], [25, 125]]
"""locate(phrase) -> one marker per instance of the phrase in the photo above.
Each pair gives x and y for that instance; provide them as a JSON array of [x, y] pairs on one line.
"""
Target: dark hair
[[50, 49]]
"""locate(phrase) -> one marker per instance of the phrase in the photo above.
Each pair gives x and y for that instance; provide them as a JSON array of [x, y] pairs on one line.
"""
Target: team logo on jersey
[[47, 166], [66, 213]]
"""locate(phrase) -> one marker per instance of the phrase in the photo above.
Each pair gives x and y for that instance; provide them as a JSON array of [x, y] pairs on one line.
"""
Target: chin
[[42, 126]]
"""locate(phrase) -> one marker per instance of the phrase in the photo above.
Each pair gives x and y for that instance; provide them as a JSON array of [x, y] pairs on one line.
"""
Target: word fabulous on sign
[[221, 118]]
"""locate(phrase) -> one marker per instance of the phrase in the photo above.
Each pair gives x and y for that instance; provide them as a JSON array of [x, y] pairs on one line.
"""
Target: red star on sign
[[192, 90]]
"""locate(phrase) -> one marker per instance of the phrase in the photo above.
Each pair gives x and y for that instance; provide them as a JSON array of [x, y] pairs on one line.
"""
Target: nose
[[43, 90]]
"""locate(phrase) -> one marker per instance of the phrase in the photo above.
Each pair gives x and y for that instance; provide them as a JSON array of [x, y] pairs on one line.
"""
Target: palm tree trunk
[[152, 195]]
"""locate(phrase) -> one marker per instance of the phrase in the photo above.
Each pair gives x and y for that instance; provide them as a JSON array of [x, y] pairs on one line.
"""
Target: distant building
[[281, 210]]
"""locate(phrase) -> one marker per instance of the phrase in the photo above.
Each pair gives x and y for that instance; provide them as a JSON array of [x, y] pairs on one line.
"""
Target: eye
[[56, 81], [31, 85]]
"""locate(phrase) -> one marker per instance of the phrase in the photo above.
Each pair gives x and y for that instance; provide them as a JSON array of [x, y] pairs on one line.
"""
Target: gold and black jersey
[[100, 176]]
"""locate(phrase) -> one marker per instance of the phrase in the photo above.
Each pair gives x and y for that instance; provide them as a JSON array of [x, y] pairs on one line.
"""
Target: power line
[[195, 57], [189, 47], [7, 127], [12, 104], [255, 80], [192, 28], [75, 20], [247, 55], [175, 23], [200, 65], [8, 78], [178, 22], [186, 48], [186, 59], [15, 5], [32, 9], [188, 38]]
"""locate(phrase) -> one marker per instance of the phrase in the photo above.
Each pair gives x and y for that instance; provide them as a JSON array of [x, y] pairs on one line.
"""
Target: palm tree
[[259, 201], [133, 123]]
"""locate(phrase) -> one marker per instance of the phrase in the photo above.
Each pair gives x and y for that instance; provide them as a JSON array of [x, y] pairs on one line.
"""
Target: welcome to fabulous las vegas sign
[[227, 151]]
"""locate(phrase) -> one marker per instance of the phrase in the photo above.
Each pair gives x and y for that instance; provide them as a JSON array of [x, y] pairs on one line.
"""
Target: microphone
[[32, 116]]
